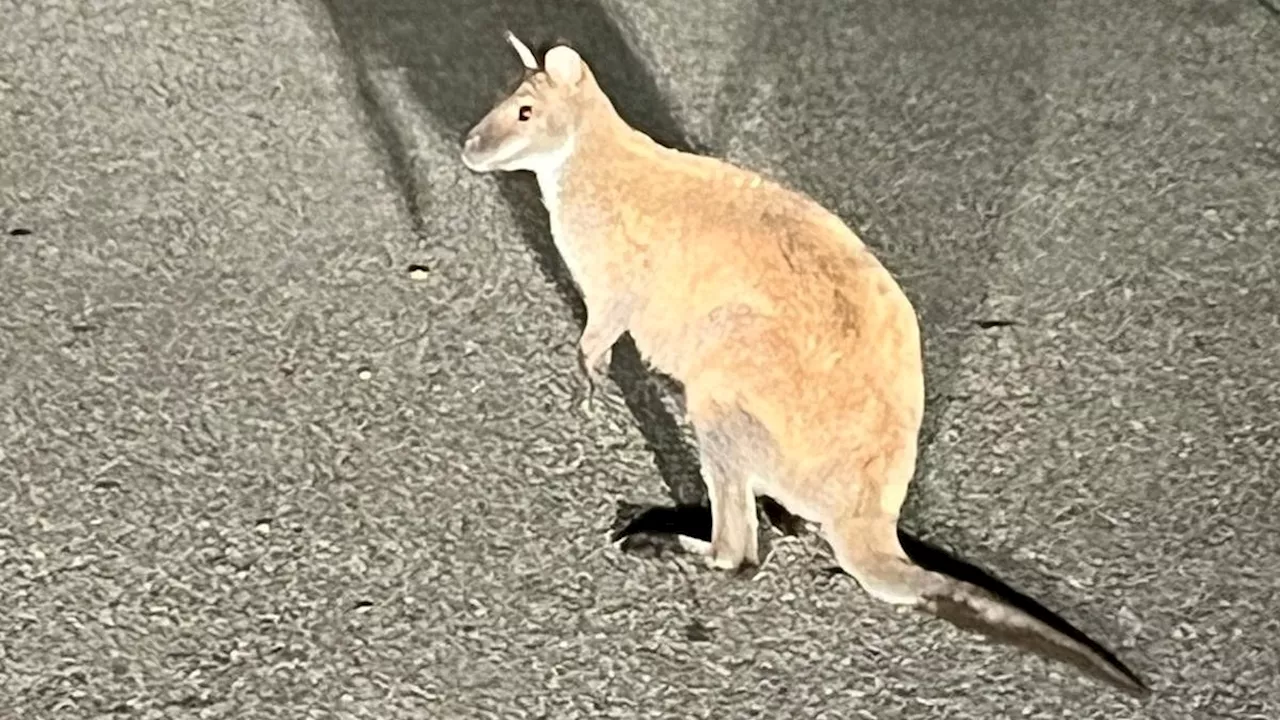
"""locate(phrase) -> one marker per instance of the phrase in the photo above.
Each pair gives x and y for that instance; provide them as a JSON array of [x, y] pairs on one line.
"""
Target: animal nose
[[470, 147]]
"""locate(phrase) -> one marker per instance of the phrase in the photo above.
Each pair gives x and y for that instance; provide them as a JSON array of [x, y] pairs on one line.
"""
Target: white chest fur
[[549, 183]]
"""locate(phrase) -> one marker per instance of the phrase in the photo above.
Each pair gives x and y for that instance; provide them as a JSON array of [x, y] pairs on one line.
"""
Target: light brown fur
[[799, 353]]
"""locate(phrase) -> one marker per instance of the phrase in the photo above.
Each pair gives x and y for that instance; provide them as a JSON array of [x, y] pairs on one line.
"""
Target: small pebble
[[365, 373], [418, 272]]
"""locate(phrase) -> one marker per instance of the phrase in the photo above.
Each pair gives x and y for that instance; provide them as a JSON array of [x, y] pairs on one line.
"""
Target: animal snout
[[471, 149]]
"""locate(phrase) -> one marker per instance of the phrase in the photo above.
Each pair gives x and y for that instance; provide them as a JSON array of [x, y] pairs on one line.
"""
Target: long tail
[[872, 553]]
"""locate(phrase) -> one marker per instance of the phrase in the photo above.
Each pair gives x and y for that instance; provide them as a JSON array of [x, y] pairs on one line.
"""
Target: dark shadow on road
[[932, 557], [653, 531], [457, 64]]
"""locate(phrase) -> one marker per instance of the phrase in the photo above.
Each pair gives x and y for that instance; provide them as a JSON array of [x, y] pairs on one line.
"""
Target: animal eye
[[525, 112]]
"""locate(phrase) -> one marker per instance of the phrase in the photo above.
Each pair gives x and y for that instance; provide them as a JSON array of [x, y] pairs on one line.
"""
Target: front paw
[[586, 394], [594, 372], [594, 364]]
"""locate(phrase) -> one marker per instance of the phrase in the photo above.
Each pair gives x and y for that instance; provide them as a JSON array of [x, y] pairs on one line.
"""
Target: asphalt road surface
[[287, 402]]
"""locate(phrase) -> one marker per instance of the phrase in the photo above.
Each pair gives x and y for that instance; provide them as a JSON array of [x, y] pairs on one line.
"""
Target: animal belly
[[669, 350], [685, 343]]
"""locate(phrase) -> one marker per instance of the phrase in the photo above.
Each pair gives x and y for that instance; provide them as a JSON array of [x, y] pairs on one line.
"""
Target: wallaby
[[798, 352]]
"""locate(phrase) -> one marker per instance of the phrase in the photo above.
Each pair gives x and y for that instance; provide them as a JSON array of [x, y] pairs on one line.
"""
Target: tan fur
[[757, 300], [799, 353]]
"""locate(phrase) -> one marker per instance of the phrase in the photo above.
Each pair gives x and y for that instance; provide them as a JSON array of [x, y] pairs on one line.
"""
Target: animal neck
[[576, 187], [599, 139]]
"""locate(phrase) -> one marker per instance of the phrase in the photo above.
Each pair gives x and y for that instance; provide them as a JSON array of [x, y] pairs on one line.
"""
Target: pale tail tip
[[986, 614]]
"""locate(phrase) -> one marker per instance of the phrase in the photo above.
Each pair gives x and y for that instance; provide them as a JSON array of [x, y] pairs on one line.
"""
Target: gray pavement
[[253, 467]]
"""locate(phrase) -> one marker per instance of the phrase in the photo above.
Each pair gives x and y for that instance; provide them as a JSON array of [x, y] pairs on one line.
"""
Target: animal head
[[534, 127]]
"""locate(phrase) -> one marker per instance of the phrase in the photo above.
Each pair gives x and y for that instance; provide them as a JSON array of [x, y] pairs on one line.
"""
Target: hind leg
[[725, 457]]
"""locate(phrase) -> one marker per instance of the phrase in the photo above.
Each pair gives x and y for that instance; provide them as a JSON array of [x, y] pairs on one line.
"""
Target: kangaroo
[[798, 353]]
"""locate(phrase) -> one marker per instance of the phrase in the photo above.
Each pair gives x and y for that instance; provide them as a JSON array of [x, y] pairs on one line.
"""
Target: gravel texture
[[288, 421]]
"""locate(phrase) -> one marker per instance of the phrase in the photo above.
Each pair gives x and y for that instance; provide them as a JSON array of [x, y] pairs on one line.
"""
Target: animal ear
[[563, 65], [526, 55]]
